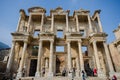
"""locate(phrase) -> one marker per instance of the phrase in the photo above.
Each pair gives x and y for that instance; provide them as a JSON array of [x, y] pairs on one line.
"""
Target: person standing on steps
[[83, 75], [114, 77], [64, 72]]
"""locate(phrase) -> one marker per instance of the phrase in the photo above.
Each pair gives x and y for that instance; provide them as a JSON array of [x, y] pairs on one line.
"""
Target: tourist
[[114, 77], [43, 71], [71, 72], [64, 72], [95, 71], [23, 72], [83, 75]]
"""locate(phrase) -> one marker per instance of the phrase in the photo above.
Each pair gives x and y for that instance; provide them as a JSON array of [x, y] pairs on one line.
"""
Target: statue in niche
[[47, 28], [101, 61]]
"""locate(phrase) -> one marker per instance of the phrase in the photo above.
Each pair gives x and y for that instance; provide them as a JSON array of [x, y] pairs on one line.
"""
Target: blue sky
[[9, 14]]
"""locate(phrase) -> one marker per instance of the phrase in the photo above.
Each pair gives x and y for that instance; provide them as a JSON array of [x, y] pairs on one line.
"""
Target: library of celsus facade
[[58, 42]]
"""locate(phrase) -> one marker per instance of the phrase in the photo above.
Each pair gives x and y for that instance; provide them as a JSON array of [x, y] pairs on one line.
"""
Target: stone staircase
[[60, 78]]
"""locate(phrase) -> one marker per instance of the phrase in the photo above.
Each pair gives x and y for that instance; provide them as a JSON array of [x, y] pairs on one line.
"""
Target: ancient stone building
[[115, 51], [34, 52]]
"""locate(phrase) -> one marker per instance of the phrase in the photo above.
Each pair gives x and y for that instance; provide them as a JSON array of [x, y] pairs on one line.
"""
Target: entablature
[[59, 11], [99, 34], [36, 9], [117, 42], [18, 36], [97, 39]]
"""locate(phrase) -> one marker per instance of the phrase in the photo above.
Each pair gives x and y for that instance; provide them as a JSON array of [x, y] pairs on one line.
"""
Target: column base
[[117, 74], [101, 74], [37, 74], [19, 74], [77, 73], [50, 74], [70, 74]]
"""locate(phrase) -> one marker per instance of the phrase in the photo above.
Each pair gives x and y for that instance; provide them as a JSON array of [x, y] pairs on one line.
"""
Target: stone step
[[60, 78]]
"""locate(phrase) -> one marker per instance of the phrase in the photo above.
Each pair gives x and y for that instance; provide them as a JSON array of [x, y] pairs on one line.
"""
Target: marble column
[[67, 28], [51, 59], [69, 58], [78, 67], [77, 23], [108, 58], [18, 25], [19, 74], [37, 74], [29, 21], [42, 21], [99, 71], [81, 56], [99, 23], [90, 25], [73, 63], [46, 63], [11, 57], [52, 22]]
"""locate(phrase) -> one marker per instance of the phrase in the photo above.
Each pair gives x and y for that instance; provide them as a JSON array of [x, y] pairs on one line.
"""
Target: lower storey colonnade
[[72, 61]]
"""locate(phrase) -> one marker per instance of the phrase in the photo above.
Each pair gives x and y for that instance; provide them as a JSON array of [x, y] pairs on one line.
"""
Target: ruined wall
[[3, 53], [115, 57]]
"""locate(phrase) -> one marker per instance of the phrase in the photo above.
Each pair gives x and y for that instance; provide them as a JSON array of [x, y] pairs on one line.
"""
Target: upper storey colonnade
[[80, 21]]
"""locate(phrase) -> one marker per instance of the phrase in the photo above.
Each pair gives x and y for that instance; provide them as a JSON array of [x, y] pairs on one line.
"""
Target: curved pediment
[[58, 9], [36, 9]]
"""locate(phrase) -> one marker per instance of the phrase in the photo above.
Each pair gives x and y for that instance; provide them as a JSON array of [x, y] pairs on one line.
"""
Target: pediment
[[59, 10], [36, 9]]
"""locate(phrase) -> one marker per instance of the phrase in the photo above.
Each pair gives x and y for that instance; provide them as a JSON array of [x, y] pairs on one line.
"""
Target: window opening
[[24, 28], [59, 48], [35, 50], [82, 32], [36, 33], [84, 50], [60, 34]]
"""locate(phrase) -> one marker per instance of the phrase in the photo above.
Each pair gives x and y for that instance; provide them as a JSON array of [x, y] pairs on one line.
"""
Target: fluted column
[[90, 25], [19, 74], [52, 23], [77, 23], [99, 22], [42, 21], [108, 58], [67, 28], [18, 25], [99, 71], [69, 58], [78, 67], [29, 21], [37, 74], [11, 57], [81, 56], [51, 59]]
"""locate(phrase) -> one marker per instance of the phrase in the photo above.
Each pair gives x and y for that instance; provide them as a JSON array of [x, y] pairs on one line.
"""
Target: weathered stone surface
[[34, 50]]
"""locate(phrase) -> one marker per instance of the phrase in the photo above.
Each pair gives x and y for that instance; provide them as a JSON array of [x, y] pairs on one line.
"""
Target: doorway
[[60, 63], [33, 66]]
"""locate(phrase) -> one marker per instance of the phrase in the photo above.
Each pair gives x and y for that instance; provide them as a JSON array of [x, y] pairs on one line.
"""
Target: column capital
[[104, 41], [94, 41], [66, 14], [52, 41], [80, 41], [13, 41], [25, 41], [68, 41], [40, 40]]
